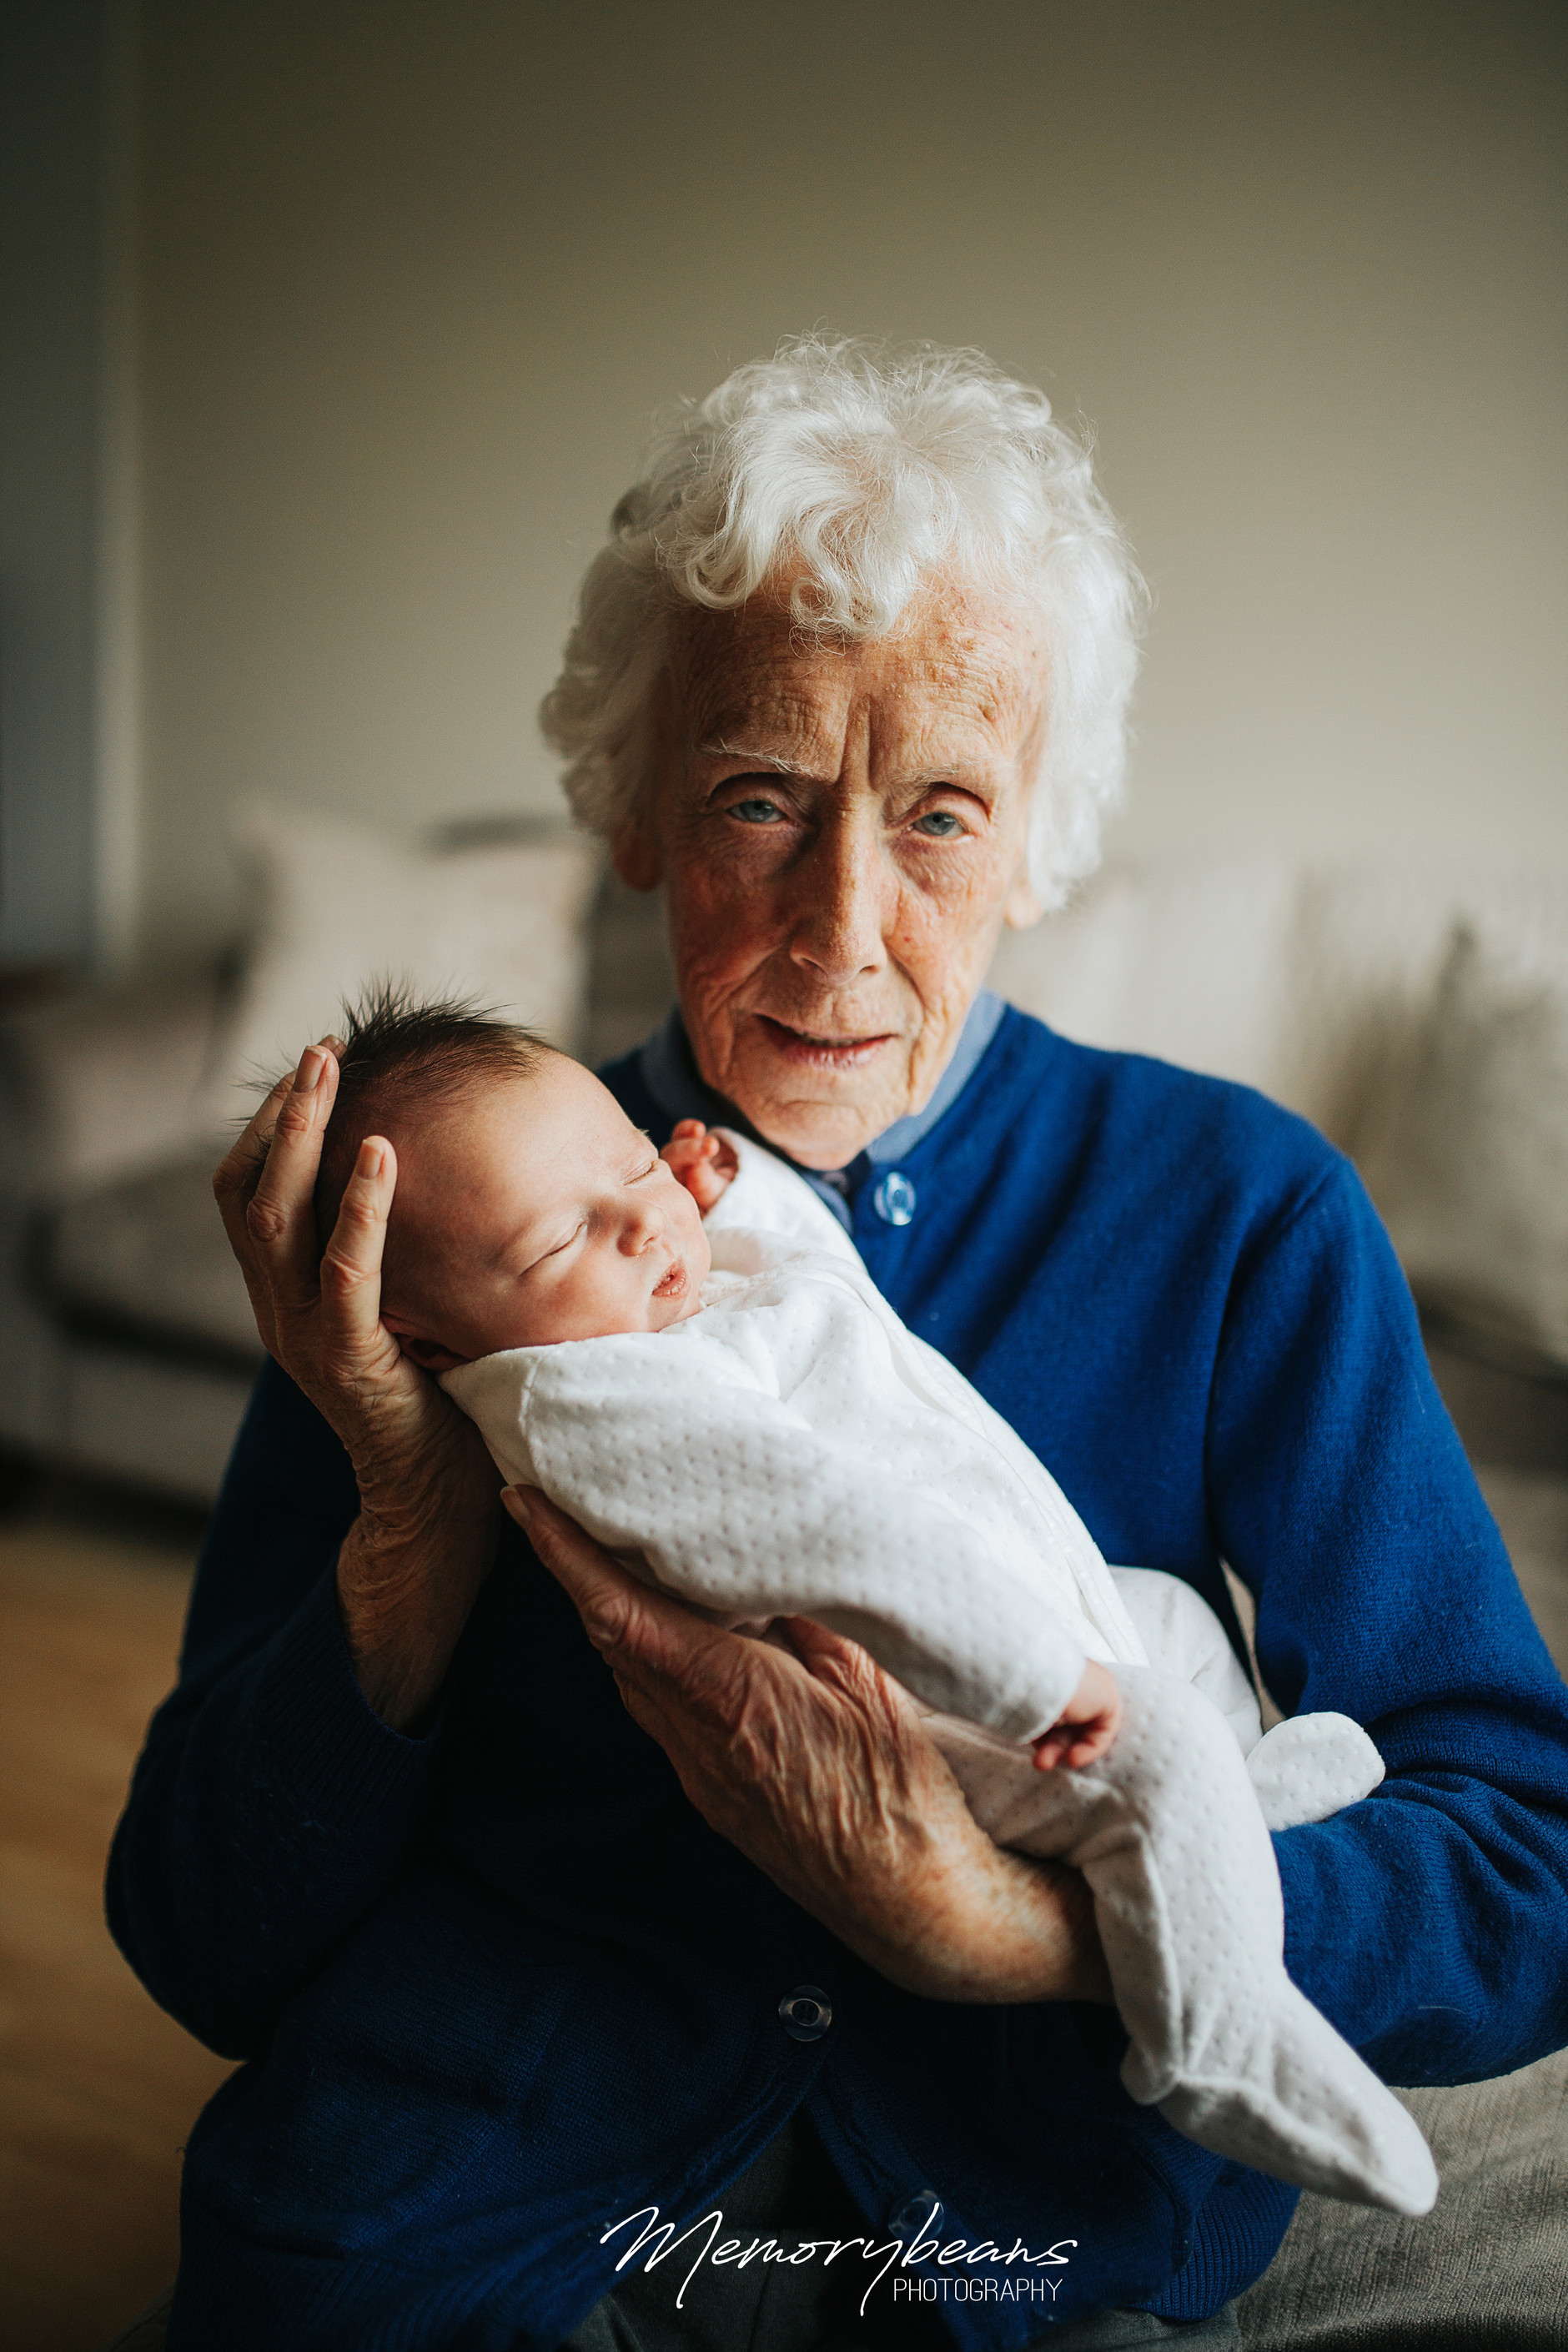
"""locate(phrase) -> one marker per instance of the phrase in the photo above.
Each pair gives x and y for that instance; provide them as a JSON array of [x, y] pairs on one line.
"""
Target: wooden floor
[[98, 2088]]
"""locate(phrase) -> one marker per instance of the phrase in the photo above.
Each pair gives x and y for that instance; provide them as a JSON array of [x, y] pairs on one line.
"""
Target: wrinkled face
[[840, 829], [529, 1211]]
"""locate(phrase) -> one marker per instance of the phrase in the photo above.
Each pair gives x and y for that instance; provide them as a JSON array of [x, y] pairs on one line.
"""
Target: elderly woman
[[510, 1960]]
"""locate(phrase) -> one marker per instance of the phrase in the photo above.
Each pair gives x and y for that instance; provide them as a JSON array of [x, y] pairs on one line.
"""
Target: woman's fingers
[[816, 1766], [241, 1167], [685, 1682], [320, 1314], [234, 1181], [239, 1171], [829, 1658], [693, 1685], [279, 1219], [676, 1664], [620, 1614], [596, 1589], [235, 1185], [350, 1276]]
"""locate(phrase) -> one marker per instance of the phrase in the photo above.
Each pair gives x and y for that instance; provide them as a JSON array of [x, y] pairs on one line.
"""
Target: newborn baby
[[729, 1405]]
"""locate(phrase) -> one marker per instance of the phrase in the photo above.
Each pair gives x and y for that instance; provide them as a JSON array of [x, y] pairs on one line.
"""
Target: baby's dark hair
[[417, 1052]]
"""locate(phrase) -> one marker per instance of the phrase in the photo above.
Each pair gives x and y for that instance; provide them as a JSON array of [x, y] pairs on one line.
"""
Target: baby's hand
[[705, 1163], [1087, 1725]]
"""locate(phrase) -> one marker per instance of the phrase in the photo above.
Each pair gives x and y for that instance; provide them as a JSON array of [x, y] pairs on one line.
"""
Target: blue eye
[[755, 811], [939, 824]]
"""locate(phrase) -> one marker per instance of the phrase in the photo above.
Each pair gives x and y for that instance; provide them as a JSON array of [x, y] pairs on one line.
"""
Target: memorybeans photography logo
[[980, 2273]]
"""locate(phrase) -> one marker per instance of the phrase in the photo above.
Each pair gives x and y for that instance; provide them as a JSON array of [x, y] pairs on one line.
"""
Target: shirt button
[[916, 2212], [806, 2013], [894, 1199]]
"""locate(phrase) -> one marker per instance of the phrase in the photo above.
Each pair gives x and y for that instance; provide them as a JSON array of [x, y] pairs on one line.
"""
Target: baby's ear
[[428, 1354]]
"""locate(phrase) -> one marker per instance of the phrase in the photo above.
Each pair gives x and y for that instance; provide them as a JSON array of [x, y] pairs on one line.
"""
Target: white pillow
[[1186, 962], [1469, 1162], [1311, 982], [340, 906]]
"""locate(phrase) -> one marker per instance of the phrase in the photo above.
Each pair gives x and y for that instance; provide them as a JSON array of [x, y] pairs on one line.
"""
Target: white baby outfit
[[793, 1450]]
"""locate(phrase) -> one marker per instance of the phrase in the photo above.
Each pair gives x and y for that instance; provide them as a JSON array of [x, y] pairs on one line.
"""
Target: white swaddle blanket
[[793, 1450]]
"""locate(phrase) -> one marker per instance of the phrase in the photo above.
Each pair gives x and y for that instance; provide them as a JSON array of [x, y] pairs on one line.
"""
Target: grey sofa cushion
[[631, 981], [1468, 1159], [148, 1256], [1487, 2267]]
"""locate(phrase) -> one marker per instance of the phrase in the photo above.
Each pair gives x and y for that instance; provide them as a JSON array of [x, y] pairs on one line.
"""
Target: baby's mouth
[[673, 1284]]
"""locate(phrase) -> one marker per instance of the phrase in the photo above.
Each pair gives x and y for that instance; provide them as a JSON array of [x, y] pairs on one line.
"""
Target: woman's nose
[[843, 901]]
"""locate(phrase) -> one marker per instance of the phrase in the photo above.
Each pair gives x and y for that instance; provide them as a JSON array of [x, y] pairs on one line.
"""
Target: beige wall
[[413, 274]]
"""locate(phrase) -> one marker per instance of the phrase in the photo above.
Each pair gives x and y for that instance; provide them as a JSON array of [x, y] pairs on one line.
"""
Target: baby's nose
[[643, 1227]]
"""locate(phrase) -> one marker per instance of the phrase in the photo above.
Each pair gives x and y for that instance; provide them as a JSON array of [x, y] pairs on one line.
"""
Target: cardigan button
[[806, 2013], [894, 1198], [916, 2213]]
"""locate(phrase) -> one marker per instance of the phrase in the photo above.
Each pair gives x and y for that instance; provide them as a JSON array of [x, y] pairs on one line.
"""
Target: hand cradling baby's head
[[528, 1208]]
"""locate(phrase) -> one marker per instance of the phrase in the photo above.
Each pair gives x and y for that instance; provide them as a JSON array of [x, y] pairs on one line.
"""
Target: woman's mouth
[[821, 1053]]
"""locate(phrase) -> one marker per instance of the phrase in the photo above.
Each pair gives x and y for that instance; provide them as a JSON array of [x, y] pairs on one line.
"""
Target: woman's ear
[[637, 852], [1022, 907], [636, 856]]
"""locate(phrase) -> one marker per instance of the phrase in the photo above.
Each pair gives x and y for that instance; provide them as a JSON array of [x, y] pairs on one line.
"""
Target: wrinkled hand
[[408, 1573], [704, 1162], [317, 1312], [816, 1765]]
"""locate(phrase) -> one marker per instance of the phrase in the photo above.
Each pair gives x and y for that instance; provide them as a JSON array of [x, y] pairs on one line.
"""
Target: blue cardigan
[[499, 1984]]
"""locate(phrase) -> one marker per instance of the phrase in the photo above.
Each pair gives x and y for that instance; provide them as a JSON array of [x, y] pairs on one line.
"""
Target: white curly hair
[[863, 467]]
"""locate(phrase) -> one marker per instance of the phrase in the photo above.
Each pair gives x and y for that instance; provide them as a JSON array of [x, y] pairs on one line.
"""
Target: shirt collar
[[668, 1070]]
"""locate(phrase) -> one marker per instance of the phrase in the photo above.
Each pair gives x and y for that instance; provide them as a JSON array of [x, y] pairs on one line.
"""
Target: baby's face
[[532, 1210]]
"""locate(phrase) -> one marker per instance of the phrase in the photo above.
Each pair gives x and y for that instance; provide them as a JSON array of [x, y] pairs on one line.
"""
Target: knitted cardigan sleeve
[[1425, 1922], [271, 1805]]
